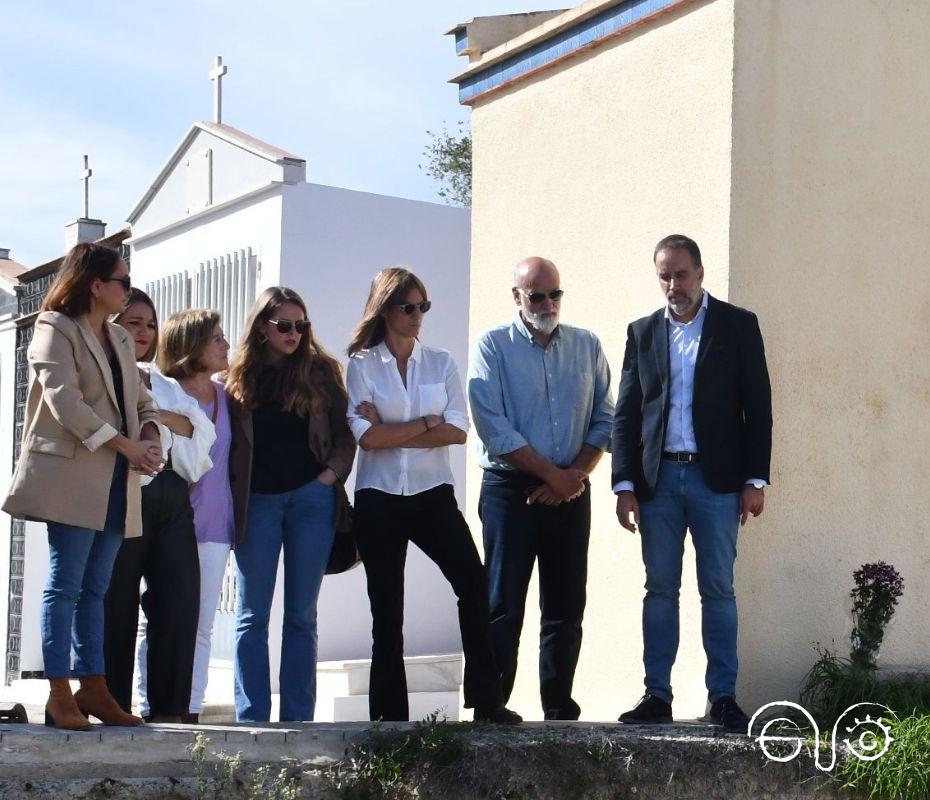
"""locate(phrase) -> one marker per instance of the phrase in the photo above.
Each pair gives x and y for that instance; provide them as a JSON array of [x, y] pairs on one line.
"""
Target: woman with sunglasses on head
[[293, 453], [88, 420], [166, 553], [192, 350], [407, 408]]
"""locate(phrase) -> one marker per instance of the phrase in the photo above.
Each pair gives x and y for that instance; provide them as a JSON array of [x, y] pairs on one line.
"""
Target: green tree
[[449, 162]]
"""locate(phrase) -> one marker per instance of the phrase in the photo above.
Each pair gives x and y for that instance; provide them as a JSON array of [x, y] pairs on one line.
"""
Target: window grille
[[226, 284]]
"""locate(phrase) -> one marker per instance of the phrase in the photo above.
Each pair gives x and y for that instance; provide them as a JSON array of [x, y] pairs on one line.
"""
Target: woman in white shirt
[[406, 407]]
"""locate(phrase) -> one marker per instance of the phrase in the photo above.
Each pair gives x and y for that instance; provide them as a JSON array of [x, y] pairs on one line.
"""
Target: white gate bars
[[227, 284]]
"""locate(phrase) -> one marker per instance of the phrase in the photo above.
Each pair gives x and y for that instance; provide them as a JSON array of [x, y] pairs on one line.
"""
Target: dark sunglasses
[[126, 281], [285, 325], [408, 308], [538, 297]]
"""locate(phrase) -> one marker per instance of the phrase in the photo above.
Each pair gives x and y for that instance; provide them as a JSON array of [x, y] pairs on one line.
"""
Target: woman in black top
[[293, 451]]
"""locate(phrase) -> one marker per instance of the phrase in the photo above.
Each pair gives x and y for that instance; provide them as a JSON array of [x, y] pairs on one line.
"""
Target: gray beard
[[545, 325]]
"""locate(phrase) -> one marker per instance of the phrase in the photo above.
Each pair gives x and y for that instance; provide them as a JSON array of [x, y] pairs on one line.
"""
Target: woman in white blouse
[[406, 407]]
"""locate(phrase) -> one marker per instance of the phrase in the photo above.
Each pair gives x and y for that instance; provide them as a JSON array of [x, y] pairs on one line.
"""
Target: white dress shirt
[[433, 387], [684, 340]]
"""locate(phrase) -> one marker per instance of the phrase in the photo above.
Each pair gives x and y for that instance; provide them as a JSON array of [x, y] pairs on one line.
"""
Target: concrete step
[[430, 673]]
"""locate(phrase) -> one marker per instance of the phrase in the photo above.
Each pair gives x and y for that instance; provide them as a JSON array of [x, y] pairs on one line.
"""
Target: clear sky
[[352, 86]]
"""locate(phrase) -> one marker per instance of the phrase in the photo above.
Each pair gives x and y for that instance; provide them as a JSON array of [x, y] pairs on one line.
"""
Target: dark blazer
[[331, 443], [731, 407]]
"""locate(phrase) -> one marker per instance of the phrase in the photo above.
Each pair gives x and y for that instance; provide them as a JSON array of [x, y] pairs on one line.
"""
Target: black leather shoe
[[498, 715], [726, 713], [650, 710]]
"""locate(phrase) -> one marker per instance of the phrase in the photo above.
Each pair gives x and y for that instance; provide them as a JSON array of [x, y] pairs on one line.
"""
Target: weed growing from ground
[[903, 773], [383, 764], [225, 777]]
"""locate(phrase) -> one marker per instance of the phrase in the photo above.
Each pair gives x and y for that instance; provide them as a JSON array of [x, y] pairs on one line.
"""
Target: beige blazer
[[65, 470]]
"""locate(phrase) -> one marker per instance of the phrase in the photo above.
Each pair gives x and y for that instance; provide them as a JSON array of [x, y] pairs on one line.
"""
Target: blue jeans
[[80, 564], [302, 522], [683, 501]]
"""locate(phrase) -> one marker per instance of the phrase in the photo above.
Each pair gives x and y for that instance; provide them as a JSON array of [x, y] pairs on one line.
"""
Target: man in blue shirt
[[541, 402], [692, 441]]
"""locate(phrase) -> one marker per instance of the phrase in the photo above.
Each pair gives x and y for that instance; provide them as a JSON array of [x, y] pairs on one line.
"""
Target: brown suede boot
[[61, 711], [94, 699]]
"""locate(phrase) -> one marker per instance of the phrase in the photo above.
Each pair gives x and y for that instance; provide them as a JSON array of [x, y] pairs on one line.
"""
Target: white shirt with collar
[[433, 387], [684, 340]]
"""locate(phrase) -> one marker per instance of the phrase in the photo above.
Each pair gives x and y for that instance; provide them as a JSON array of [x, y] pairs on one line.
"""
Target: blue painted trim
[[461, 41], [567, 41]]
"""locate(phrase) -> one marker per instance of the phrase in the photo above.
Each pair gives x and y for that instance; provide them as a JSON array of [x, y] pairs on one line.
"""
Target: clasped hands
[[145, 457], [561, 486]]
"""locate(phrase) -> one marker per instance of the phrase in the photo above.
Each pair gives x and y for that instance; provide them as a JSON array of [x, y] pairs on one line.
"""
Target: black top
[[281, 457], [118, 388]]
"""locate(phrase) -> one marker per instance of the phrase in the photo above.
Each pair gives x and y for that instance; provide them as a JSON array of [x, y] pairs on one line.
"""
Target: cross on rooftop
[[216, 75], [85, 177]]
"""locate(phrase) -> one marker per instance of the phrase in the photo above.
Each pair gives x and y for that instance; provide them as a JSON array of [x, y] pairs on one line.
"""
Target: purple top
[[211, 496]]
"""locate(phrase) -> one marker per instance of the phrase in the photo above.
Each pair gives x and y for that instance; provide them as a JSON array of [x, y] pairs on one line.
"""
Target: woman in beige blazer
[[88, 416]]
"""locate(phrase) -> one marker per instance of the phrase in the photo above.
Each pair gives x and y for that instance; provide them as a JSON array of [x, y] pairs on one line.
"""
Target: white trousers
[[213, 559]]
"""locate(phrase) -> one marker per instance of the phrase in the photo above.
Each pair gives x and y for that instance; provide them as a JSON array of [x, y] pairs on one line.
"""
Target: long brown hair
[[184, 338], [138, 296], [85, 263], [389, 287], [305, 377]]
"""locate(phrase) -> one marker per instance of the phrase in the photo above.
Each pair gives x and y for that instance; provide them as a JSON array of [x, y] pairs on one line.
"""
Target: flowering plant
[[878, 587]]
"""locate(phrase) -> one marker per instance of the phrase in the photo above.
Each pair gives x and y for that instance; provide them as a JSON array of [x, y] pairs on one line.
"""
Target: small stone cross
[[85, 177], [216, 75]]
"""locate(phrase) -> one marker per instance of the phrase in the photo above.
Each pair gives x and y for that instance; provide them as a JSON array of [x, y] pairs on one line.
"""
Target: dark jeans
[[515, 536], [166, 556], [384, 523]]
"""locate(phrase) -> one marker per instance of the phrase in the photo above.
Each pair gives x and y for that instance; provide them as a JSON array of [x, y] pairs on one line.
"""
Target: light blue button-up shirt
[[555, 398], [684, 339]]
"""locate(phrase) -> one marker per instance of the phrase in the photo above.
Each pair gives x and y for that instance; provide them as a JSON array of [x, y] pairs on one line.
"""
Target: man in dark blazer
[[692, 441]]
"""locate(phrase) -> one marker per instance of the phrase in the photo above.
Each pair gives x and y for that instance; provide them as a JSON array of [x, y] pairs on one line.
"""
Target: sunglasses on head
[[125, 280], [538, 297], [286, 325], [408, 308]]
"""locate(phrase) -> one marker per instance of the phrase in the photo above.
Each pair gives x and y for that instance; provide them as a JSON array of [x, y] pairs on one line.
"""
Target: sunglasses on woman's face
[[286, 325], [408, 308], [124, 280]]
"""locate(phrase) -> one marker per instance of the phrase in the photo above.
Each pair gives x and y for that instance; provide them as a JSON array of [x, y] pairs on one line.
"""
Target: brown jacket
[[64, 470], [331, 443]]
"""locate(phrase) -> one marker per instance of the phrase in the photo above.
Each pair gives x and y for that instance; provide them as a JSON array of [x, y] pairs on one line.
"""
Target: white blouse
[[433, 387]]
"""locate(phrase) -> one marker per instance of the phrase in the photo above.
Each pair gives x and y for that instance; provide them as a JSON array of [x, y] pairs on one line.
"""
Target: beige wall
[[590, 164], [829, 224]]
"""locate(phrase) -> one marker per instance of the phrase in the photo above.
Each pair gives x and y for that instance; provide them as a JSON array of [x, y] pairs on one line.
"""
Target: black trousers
[[384, 523], [516, 536], [166, 556]]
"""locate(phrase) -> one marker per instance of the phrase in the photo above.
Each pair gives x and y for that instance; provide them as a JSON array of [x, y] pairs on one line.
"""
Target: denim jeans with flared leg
[[300, 522]]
